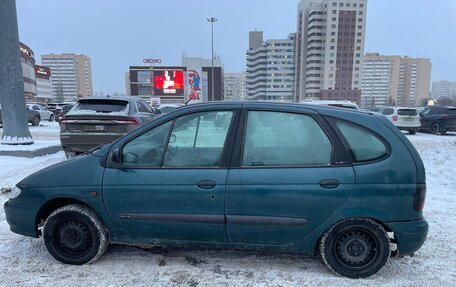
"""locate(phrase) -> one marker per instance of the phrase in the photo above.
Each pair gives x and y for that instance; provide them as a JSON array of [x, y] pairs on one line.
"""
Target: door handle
[[329, 183], [206, 184]]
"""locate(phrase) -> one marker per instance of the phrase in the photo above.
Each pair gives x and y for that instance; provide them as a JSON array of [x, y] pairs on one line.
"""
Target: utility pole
[[212, 20], [12, 99]]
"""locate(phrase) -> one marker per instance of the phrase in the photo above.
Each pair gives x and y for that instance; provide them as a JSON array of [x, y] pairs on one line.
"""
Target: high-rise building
[[414, 82], [394, 80], [234, 86], [443, 89], [71, 76], [329, 49], [380, 80], [270, 68]]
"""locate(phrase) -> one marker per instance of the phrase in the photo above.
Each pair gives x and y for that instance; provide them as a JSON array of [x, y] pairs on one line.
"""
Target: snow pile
[[25, 261]]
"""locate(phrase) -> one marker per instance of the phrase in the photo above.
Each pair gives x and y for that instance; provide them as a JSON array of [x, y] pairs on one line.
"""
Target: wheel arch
[[50, 206]]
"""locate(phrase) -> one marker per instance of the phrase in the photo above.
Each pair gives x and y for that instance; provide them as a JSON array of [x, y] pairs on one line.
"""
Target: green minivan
[[291, 178]]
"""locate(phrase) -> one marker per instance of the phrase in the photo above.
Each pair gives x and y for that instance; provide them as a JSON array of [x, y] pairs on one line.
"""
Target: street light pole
[[212, 20]]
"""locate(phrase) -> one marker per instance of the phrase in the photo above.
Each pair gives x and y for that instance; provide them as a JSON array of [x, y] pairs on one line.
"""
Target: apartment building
[[329, 49], [71, 76], [235, 89], [270, 71]]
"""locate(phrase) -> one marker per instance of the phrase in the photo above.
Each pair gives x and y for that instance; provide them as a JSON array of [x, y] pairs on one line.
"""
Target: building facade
[[177, 84], [234, 84], [43, 84], [394, 81], [270, 73], [28, 72], [414, 82], [329, 49], [71, 76], [443, 89]]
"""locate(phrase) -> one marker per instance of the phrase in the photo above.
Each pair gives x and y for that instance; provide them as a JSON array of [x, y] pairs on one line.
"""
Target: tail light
[[65, 121], [394, 118], [129, 121], [420, 196]]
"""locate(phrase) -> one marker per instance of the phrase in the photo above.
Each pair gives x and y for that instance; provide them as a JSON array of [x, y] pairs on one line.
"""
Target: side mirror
[[115, 155]]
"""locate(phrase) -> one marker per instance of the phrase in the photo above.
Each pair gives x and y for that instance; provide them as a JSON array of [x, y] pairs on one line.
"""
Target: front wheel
[[355, 248], [74, 234], [435, 128]]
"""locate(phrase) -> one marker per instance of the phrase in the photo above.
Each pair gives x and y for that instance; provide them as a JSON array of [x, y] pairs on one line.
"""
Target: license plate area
[[95, 128]]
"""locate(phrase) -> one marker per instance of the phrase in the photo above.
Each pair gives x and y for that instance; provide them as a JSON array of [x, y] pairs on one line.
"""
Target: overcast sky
[[118, 33]]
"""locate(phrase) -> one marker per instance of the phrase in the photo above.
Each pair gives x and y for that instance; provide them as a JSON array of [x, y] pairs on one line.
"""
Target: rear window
[[101, 106], [388, 111], [364, 146], [407, 112]]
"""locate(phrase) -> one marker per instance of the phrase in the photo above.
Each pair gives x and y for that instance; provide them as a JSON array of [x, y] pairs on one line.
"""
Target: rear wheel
[[435, 128], [35, 121], [51, 118], [355, 248], [74, 234]]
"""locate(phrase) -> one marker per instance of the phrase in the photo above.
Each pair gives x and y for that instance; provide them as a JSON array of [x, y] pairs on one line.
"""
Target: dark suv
[[438, 119], [97, 120]]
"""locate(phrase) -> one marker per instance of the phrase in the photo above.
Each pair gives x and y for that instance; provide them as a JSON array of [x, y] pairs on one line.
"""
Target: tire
[[51, 118], [412, 132], [74, 234], [435, 128], [69, 154], [355, 248], [35, 121]]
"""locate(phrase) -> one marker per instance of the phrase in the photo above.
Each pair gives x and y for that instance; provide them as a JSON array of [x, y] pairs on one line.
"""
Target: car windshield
[[100, 106], [407, 112]]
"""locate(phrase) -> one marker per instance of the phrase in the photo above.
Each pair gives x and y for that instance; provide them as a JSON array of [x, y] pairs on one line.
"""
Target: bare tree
[[12, 99]]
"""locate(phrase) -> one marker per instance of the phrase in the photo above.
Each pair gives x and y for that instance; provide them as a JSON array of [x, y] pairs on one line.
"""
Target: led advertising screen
[[168, 82]]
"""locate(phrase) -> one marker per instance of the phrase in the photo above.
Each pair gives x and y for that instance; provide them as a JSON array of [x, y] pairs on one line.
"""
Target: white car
[[404, 118], [341, 104], [45, 114]]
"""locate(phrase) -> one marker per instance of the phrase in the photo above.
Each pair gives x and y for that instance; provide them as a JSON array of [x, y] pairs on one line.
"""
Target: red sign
[[42, 72]]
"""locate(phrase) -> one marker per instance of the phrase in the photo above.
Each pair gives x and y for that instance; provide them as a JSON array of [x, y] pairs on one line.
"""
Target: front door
[[287, 181], [171, 185]]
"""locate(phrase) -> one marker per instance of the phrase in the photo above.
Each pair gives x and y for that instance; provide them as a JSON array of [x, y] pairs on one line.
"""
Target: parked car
[[166, 108], [406, 119], [438, 119], [341, 104], [33, 117], [345, 184], [61, 111], [97, 120], [54, 106], [45, 114]]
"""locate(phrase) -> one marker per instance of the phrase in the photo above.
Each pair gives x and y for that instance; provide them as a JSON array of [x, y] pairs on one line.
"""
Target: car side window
[[143, 107], [285, 139], [388, 111], [197, 140], [36, 108], [364, 146], [147, 149]]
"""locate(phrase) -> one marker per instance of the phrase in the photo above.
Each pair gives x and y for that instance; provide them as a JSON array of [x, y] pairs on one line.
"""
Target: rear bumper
[[21, 218], [410, 235], [82, 142]]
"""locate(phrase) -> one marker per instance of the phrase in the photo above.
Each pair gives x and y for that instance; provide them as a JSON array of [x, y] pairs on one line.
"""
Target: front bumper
[[410, 235], [21, 218]]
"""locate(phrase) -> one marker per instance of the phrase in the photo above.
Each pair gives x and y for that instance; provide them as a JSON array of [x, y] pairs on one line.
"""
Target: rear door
[[288, 174]]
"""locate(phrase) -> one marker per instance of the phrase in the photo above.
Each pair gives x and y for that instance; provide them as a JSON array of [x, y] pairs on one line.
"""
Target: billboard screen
[[168, 82]]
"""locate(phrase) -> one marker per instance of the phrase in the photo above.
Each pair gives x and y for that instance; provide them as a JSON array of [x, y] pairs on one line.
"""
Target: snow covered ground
[[25, 262]]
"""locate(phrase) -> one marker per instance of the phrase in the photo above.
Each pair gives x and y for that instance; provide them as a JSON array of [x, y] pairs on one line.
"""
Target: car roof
[[117, 98]]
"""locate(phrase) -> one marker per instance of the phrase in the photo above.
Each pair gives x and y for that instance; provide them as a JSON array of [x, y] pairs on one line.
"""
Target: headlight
[[15, 192]]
